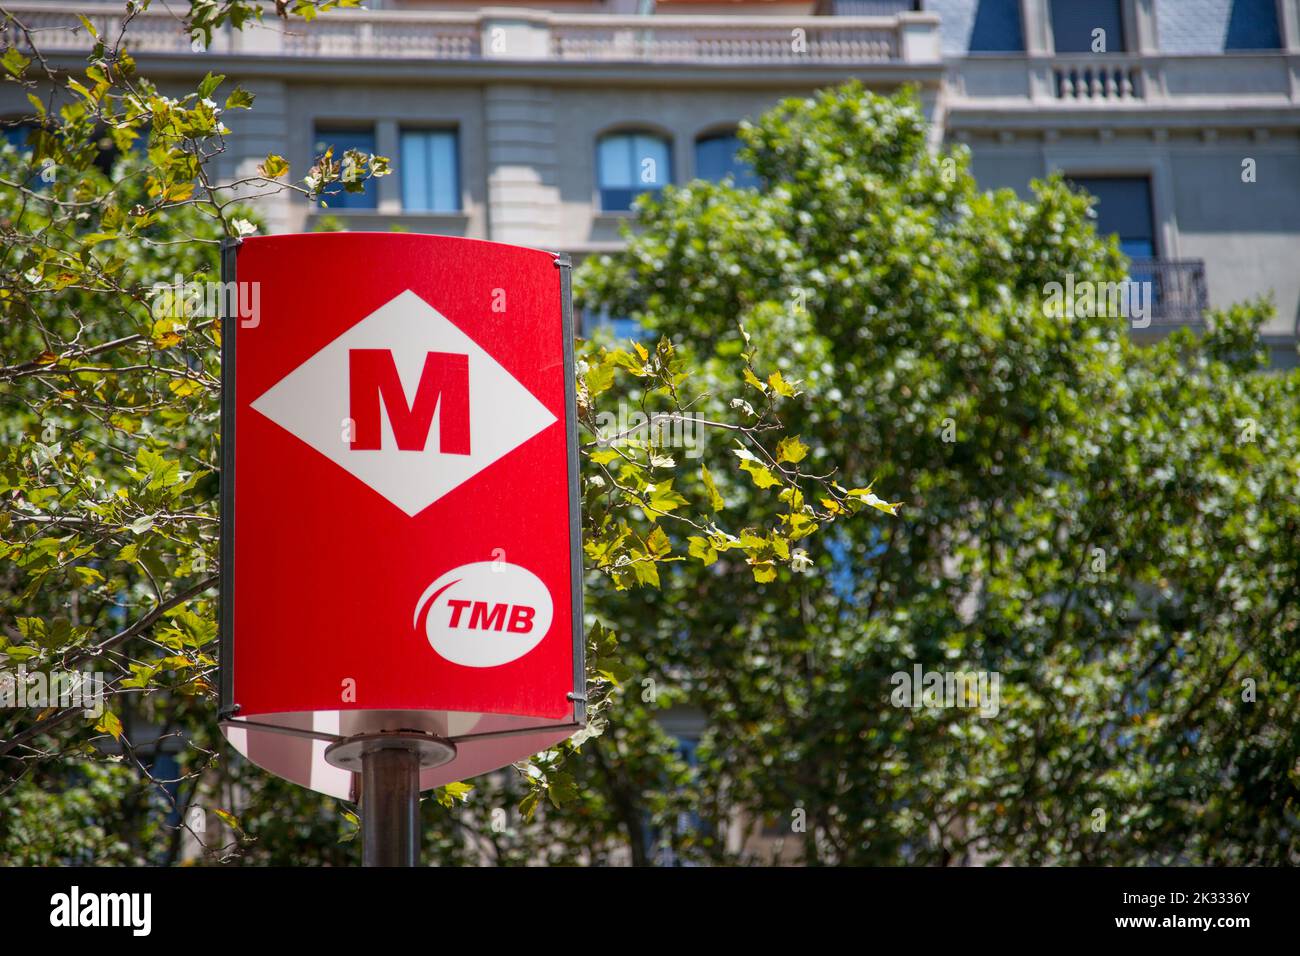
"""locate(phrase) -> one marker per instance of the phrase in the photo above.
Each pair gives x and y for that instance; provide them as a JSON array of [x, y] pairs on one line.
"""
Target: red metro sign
[[400, 545]]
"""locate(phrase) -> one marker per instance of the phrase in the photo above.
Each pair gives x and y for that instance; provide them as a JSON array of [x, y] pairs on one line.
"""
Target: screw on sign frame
[[401, 552]]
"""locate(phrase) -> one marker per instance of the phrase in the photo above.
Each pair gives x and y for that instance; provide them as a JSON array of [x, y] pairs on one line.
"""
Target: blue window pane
[[1137, 248], [1073, 23], [996, 27], [343, 139], [1123, 208], [19, 138], [430, 176], [628, 164], [716, 158], [16, 136], [1252, 25], [616, 162], [618, 328]]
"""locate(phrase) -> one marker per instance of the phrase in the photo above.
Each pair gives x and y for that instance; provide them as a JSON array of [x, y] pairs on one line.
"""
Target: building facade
[[537, 123]]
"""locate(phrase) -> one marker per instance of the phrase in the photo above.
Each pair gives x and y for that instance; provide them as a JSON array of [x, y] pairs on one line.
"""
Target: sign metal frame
[[228, 706]]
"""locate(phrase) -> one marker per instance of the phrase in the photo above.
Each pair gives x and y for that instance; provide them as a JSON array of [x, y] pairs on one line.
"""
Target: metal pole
[[390, 807]]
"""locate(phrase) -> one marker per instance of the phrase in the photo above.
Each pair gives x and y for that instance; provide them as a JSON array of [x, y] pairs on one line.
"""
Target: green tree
[[1110, 528]]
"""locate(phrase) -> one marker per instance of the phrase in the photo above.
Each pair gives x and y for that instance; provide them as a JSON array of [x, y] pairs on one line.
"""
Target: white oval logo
[[485, 614]]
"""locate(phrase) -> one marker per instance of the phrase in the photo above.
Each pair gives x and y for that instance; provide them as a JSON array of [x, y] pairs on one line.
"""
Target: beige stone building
[[536, 123]]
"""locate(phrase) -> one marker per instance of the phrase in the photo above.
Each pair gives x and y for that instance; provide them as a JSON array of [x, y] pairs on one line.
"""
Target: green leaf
[[240, 99], [89, 575], [208, 85], [528, 805], [763, 478], [701, 548], [646, 571], [664, 499], [14, 61], [561, 789]]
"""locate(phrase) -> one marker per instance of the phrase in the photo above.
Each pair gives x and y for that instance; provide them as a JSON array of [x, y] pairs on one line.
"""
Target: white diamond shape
[[312, 403]]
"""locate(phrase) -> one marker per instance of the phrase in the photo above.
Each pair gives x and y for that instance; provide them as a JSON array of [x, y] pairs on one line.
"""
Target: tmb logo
[[484, 614], [406, 402]]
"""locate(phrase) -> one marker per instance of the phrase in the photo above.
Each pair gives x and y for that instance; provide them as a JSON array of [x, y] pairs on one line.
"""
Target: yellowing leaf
[[780, 385], [273, 167], [599, 378], [14, 61], [89, 575], [646, 571], [762, 477], [658, 542], [663, 499], [178, 192], [459, 790], [109, 724], [791, 449], [715, 500], [866, 496]]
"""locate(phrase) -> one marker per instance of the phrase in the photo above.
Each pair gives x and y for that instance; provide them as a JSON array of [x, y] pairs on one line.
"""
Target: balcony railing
[[1178, 294], [1117, 84], [509, 35], [689, 40], [1105, 82]]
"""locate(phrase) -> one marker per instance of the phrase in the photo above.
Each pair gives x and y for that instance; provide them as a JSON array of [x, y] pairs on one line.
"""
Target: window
[[1185, 27], [872, 8], [1252, 25], [16, 135], [345, 138], [1074, 22], [715, 159], [620, 328], [996, 27], [629, 164], [1123, 208], [430, 172], [19, 136]]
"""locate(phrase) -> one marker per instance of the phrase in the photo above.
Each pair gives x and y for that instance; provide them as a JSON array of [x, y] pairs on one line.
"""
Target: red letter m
[[444, 387]]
